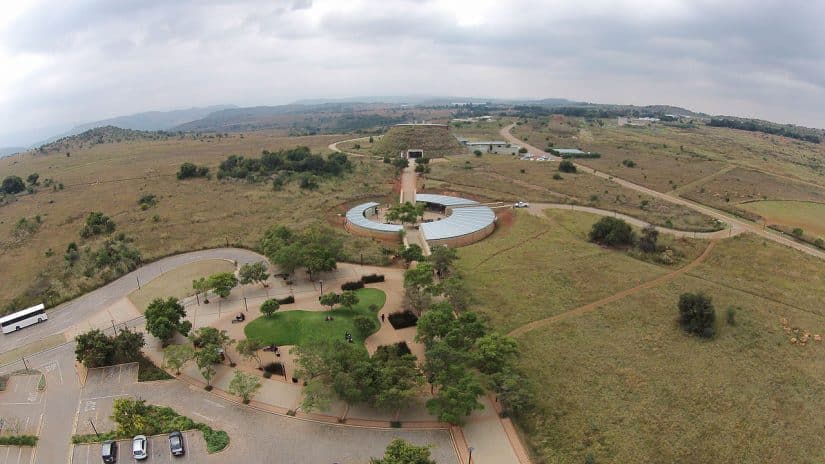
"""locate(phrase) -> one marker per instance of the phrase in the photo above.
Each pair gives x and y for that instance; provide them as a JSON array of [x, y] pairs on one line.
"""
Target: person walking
[[382, 317]]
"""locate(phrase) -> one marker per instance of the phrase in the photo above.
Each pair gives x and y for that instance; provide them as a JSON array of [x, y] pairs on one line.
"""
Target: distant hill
[[98, 135], [6, 151], [148, 121]]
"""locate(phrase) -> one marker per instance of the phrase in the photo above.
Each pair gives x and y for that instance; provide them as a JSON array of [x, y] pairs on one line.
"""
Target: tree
[[176, 356], [223, 283], [411, 253], [318, 258], [288, 257], [188, 170], [201, 286], [798, 232], [348, 299], [206, 358], [494, 352], [442, 258], [364, 325], [416, 299], [330, 299], [93, 349], [32, 179], [126, 346], [244, 385], [269, 307], [132, 417], [97, 223], [696, 314], [397, 378], [456, 292], [457, 400], [421, 276], [13, 184], [647, 242], [249, 348], [567, 166], [612, 232], [434, 324], [514, 391], [339, 367], [166, 317], [402, 452], [406, 212], [253, 272]]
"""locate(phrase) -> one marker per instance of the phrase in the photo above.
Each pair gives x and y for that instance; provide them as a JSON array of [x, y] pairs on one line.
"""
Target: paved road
[[67, 314], [737, 225]]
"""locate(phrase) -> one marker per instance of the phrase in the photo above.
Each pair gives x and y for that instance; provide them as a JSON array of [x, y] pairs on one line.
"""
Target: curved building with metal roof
[[358, 222], [468, 221]]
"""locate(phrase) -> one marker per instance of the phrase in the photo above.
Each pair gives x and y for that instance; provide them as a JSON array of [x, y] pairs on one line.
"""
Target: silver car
[[139, 445]]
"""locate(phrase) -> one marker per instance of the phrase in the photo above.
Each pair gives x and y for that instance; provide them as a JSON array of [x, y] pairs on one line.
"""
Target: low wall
[[464, 240], [364, 232]]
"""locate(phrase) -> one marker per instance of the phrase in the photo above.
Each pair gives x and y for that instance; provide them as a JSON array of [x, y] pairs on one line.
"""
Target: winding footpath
[[737, 225]]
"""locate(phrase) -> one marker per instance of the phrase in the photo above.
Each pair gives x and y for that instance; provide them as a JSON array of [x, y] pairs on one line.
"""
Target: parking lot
[[158, 451], [21, 410], [103, 386], [16, 455]]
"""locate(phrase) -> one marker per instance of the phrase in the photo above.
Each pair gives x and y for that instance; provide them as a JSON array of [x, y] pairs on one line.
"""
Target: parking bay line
[[205, 417], [214, 403]]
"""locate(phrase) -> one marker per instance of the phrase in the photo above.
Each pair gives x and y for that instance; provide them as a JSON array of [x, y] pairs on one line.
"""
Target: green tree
[[420, 276], [176, 356], [456, 292], [397, 379], [253, 272], [202, 286], [32, 179], [13, 184], [442, 258], [126, 346], [648, 240], [612, 232], [457, 400], [223, 283], [93, 349], [798, 232], [330, 299], [270, 307], [407, 212], [244, 385], [435, 324], [249, 348], [166, 317], [348, 299], [696, 314], [494, 352], [411, 253], [364, 325], [288, 258], [132, 417], [567, 166], [402, 452], [206, 358], [514, 391], [416, 299], [97, 223]]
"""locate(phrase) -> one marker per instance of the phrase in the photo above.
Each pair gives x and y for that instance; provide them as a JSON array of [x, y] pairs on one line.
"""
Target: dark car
[[176, 444], [109, 451]]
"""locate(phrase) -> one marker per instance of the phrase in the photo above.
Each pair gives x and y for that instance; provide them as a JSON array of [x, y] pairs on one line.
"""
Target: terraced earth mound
[[436, 141]]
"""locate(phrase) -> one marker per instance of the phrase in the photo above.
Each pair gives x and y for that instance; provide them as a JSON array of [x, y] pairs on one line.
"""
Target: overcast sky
[[68, 62]]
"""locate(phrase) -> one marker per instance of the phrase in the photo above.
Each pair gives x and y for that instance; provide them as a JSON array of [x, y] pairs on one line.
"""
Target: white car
[[521, 204], [139, 447]]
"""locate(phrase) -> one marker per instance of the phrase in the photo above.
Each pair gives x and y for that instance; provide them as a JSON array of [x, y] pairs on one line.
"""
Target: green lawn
[[300, 327]]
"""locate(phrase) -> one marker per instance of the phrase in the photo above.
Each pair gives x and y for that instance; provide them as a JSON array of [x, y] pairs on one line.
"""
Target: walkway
[[735, 223]]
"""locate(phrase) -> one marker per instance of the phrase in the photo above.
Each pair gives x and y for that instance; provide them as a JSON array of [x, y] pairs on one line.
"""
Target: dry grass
[[499, 177], [436, 141], [177, 282], [479, 131], [190, 214], [806, 215]]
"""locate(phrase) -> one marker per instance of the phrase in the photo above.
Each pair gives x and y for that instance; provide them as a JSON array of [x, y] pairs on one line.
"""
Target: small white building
[[497, 147]]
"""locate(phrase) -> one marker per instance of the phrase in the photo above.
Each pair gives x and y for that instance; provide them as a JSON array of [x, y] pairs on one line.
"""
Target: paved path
[[735, 223], [537, 209], [82, 308], [615, 297]]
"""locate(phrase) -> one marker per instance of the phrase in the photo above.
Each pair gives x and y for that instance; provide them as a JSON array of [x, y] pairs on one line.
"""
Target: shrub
[[97, 223], [274, 368], [403, 320], [567, 166], [365, 325], [557, 176], [819, 243], [629, 163], [399, 349], [696, 314], [612, 232], [188, 170], [730, 316], [267, 374], [477, 152], [19, 440], [284, 301], [797, 232], [12, 185], [352, 285], [372, 278], [270, 307], [522, 150]]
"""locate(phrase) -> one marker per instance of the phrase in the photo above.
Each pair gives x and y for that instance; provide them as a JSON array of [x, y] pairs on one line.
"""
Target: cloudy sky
[[72, 61]]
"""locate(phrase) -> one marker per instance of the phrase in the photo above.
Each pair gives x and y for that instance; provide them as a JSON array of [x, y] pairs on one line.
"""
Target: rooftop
[[356, 216]]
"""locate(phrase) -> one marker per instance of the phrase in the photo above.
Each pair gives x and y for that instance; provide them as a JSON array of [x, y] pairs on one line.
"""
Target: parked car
[[521, 204], [139, 445], [176, 444], [108, 451]]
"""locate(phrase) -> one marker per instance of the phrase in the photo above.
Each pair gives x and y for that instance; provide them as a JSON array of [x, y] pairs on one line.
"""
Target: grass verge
[[178, 282], [19, 440], [300, 327], [148, 371]]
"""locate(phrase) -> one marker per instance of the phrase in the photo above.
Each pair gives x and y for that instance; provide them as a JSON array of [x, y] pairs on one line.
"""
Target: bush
[[284, 301], [819, 243], [352, 285], [557, 176], [612, 232], [372, 278], [188, 170], [730, 317], [522, 150], [696, 314], [567, 166], [399, 349], [12, 185], [797, 232], [274, 368], [365, 325], [403, 320], [267, 374], [269, 307], [19, 440], [629, 163], [477, 152]]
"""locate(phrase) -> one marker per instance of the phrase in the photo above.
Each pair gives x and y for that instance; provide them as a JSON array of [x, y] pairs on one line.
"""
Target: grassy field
[[501, 178], [178, 282], [479, 131], [809, 216], [557, 268], [300, 327], [191, 214], [623, 383]]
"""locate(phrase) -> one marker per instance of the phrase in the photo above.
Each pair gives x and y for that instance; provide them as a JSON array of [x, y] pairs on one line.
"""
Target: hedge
[[372, 278], [352, 285], [288, 300], [403, 320], [19, 440], [274, 368]]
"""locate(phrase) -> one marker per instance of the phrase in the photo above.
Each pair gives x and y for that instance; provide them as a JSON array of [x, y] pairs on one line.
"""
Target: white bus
[[24, 318]]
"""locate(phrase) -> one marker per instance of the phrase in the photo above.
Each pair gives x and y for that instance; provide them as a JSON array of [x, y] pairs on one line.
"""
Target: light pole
[[93, 427], [470, 449], [322, 286]]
